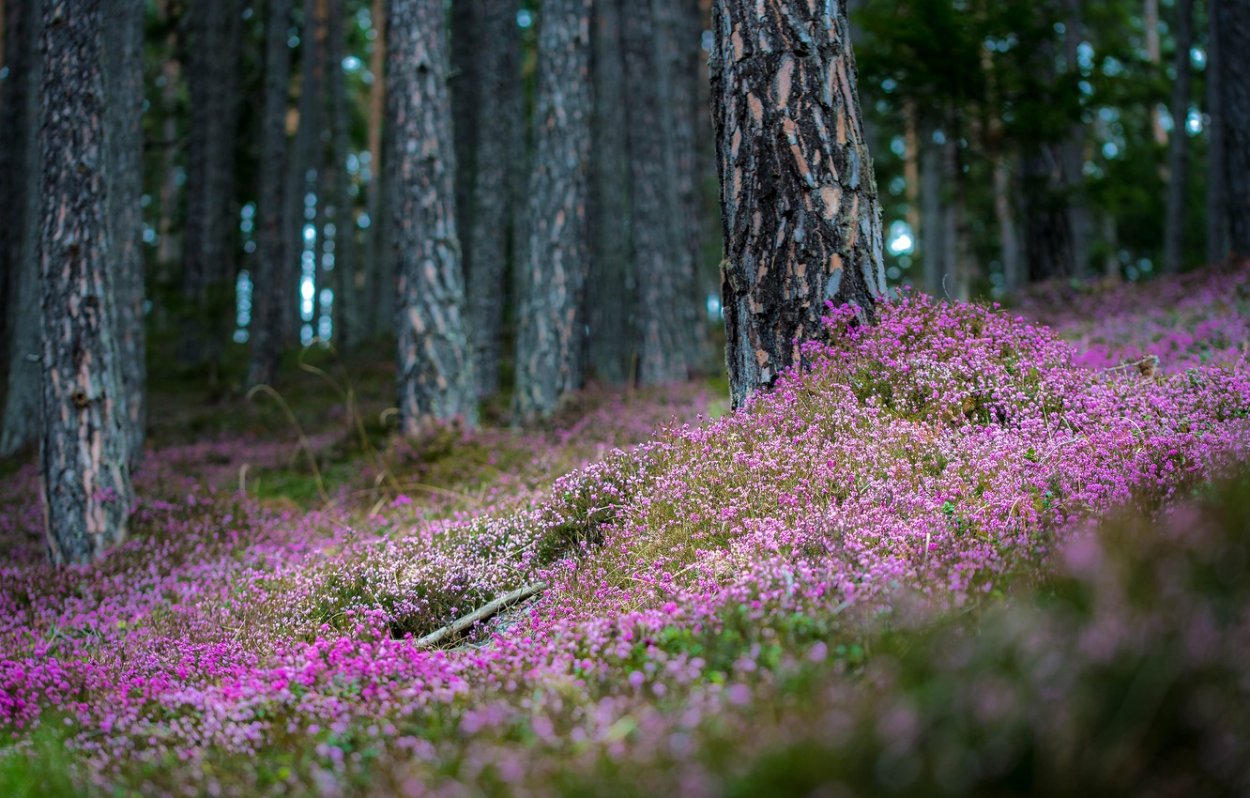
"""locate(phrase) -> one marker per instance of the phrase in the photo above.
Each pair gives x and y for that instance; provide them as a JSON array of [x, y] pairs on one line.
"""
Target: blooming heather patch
[[752, 567]]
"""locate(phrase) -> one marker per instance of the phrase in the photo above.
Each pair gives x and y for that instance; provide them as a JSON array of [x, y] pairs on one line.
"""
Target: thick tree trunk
[[657, 254], [272, 291], [85, 441], [1217, 156], [798, 197], [123, 83], [1234, 46], [491, 216], [610, 293], [1178, 146], [20, 206], [549, 342], [435, 373], [209, 255]]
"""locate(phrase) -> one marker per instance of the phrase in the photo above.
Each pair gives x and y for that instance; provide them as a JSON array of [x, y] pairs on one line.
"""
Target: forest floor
[[964, 553]]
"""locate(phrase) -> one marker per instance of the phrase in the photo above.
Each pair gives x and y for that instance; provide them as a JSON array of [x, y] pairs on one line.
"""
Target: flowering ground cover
[[888, 576]]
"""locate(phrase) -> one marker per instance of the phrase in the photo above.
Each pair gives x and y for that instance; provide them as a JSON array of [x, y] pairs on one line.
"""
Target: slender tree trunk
[[85, 441], [931, 244], [380, 280], [680, 36], [435, 373], [549, 343], [209, 252], [304, 170], [798, 198], [610, 293], [1154, 54], [1111, 264], [1217, 156], [1048, 238], [954, 266], [1234, 47], [338, 188], [1178, 147], [491, 214], [123, 84], [272, 291], [1073, 152], [167, 249], [911, 167], [20, 205], [1008, 240], [657, 254], [465, 84]]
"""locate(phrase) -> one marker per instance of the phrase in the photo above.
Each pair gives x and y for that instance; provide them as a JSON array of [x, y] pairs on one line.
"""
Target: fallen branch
[[482, 613]]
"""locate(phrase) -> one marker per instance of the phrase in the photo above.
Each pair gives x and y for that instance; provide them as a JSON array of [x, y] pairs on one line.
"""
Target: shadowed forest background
[[600, 397]]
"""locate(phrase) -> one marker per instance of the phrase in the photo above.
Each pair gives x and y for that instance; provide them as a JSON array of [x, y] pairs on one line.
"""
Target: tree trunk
[[464, 82], [1154, 54], [435, 373], [85, 441], [549, 343], [1073, 152], [657, 255], [167, 249], [1047, 236], [1008, 241], [342, 210], [1217, 156], [123, 84], [380, 280], [798, 197], [610, 292], [271, 286], [215, 34], [491, 216], [680, 37], [20, 208], [931, 245], [1178, 146], [1234, 47], [954, 265], [305, 173]]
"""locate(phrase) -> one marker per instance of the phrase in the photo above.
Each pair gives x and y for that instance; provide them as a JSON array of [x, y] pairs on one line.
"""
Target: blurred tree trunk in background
[[610, 292], [215, 38], [85, 440], [491, 214], [549, 339], [304, 169], [464, 82], [123, 124], [338, 188], [435, 369], [380, 273], [1178, 146], [1234, 49], [1154, 54], [1217, 156], [658, 255], [272, 291], [1073, 148], [1047, 236], [20, 207], [680, 39], [931, 246], [798, 197], [169, 227]]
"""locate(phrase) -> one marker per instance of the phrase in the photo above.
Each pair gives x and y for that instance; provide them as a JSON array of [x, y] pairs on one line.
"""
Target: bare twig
[[482, 613]]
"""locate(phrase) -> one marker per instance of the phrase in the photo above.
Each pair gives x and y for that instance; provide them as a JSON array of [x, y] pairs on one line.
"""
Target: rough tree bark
[[215, 38], [435, 374], [20, 207], [123, 84], [657, 255], [271, 288], [798, 198], [548, 364], [85, 441], [491, 216], [610, 292], [1217, 156], [1178, 146], [1234, 45]]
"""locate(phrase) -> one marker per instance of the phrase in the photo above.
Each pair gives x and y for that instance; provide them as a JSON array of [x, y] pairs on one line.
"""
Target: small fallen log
[[482, 613]]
